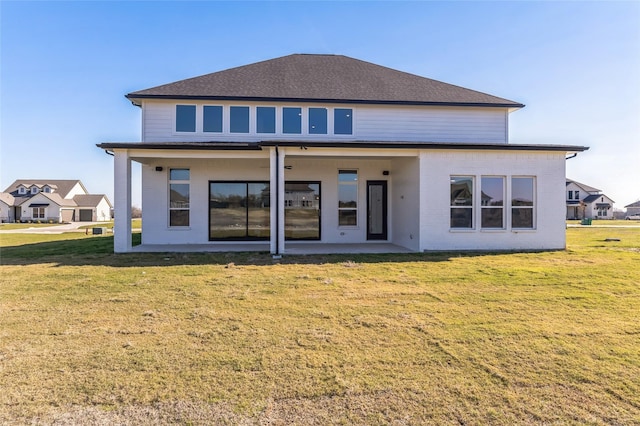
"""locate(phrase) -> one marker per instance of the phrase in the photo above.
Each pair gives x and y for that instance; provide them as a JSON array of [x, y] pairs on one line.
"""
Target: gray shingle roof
[[321, 78], [7, 198], [634, 204], [583, 186], [89, 200], [57, 198], [61, 186]]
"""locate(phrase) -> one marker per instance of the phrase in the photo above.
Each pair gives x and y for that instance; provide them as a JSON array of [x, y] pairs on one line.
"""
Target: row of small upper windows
[[33, 190], [239, 119]]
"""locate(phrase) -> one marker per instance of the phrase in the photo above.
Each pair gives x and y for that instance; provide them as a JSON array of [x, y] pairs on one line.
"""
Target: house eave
[[254, 146], [135, 99]]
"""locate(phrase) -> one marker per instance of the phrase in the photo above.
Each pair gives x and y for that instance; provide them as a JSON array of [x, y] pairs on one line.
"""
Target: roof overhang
[[256, 146], [136, 100]]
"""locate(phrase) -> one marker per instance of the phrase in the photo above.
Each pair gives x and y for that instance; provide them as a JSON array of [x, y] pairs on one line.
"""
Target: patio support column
[[273, 201], [122, 201], [422, 199], [281, 200], [276, 183]]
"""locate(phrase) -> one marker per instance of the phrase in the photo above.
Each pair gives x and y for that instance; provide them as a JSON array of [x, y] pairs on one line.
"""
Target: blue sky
[[66, 66]]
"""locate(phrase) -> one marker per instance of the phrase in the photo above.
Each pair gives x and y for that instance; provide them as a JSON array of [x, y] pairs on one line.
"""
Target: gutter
[[134, 97]]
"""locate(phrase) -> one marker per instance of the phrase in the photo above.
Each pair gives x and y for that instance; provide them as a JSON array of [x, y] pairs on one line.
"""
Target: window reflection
[[302, 210], [318, 121], [239, 210], [461, 193]]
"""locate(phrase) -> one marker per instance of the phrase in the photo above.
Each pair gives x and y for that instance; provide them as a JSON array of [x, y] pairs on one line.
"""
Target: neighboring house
[[306, 150], [587, 202], [52, 201], [6, 207], [633, 209]]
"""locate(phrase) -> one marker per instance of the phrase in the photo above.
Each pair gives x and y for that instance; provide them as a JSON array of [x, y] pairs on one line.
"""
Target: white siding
[[370, 122], [6, 212], [548, 168], [155, 229], [419, 194], [432, 124], [76, 190], [51, 211], [103, 211], [405, 202]]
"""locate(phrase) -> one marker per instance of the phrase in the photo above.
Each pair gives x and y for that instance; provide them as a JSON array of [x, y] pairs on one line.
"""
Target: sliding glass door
[[239, 211], [302, 210]]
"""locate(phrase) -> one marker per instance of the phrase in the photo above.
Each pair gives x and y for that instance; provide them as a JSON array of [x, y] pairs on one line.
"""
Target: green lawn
[[135, 224], [12, 226], [87, 336]]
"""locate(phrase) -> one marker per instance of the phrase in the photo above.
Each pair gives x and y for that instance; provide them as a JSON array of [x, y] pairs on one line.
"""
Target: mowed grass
[[90, 337]]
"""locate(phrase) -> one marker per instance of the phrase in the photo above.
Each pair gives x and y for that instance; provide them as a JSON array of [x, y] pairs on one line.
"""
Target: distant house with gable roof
[[587, 202], [633, 209], [27, 200]]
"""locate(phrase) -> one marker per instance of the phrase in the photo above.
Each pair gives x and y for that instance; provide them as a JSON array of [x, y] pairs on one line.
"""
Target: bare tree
[[136, 212]]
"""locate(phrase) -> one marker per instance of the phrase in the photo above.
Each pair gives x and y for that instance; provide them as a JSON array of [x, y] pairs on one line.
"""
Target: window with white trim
[[38, 213], [522, 202], [212, 119], [179, 183], [185, 118], [347, 197], [317, 121], [343, 121], [461, 206], [292, 120], [239, 119], [265, 119], [492, 202]]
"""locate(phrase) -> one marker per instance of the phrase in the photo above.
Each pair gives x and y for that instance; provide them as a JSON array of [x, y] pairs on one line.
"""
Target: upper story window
[[185, 118], [292, 120], [570, 196], [317, 121], [206, 119], [34, 190], [212, 119], [265, 120], [46, 189], [22, 190], [576, 195], [342, 121], [461, 191], [522, 202], [239, 116]]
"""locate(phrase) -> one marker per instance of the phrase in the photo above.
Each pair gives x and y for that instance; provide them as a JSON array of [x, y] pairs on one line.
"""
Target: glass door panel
[[302, 210]]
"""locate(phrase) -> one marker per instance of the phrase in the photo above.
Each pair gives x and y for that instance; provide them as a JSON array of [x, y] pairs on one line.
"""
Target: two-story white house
[[52, 200], [587, 202], [309, 153]]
